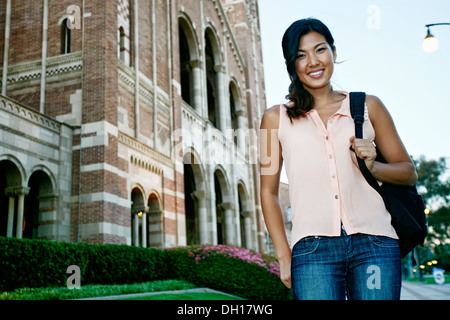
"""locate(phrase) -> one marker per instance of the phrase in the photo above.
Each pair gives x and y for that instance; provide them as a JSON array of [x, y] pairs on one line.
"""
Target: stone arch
[[190, 66], [195, 199], [49, 174], [12, 196], [66, 36], [235, 104], [154, 221], [138, 233], [215, 78], [212, 35], [15, 172], [245, 216], [224, 205], [40, 204]]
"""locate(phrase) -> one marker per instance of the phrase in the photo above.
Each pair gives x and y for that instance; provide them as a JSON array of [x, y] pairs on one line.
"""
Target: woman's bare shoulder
[[377, 110], [271, 117]]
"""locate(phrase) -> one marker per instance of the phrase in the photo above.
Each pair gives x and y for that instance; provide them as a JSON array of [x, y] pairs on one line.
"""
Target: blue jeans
[[359, 267]]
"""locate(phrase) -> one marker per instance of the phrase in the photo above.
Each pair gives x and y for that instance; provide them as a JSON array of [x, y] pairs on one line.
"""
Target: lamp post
[[430, 43]]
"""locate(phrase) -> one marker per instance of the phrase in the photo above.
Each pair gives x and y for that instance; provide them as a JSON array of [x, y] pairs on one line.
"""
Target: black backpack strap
[[357, 101], [357, 109]]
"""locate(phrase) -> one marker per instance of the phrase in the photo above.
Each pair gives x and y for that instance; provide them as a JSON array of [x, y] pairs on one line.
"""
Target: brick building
[[131, 121]]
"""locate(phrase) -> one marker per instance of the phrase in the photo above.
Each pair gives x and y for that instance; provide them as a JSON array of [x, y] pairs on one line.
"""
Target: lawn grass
[[90, 291], [186, 296]]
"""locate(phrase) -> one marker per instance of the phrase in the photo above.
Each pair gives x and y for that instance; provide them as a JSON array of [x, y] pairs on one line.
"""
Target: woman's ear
[[334, 54]]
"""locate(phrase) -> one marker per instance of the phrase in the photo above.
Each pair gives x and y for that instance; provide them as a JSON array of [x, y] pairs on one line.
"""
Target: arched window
[[190, 65], [65, 36], [122, 44], [138, 219], [185, 67], [10, 178], [40, 200], [192, 230], [211, 81], [155, 224], [234, 105]]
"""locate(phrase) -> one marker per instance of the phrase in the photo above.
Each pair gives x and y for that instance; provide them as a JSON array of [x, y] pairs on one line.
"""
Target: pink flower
[[203, 252]]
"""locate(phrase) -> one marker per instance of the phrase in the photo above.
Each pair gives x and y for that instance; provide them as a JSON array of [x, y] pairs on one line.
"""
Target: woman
[[342, 242]]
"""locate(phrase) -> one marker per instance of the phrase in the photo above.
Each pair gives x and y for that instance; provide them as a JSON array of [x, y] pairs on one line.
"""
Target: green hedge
[[223, 268], [38, 263]]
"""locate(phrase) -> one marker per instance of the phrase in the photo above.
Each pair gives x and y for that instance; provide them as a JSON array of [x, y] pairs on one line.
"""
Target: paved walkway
[[410, 291], [141, 295], [421, 291]]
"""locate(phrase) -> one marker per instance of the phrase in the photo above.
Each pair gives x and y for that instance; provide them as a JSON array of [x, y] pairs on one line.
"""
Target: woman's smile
[[316, 74]]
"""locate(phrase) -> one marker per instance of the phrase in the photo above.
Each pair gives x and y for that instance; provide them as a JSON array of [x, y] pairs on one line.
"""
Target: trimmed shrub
[[43, 264], [237, 271], [39, 263], [94, 290]]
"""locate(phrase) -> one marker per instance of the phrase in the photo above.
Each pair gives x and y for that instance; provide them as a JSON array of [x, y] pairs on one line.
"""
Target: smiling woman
[[296, 53], [341, 229]]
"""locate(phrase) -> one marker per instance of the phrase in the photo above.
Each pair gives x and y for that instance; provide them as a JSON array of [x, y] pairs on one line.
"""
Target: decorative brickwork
[[119, 146]]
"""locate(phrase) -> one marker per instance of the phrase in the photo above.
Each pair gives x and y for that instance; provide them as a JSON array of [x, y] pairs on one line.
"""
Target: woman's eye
[[321, 49], [300, 56]]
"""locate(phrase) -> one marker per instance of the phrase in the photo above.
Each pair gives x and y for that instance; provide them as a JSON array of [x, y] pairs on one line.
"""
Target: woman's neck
[[324, 96]]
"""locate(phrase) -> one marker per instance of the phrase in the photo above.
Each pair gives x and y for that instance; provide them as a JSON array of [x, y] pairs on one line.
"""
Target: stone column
[[144, 230], [136, 230], [228, 215], [136, 68], [221, 111], [10, 225], [241, 116], [248, 229], [44, 57], [20, 192], [196, 85], [6, 47], [201, 197]]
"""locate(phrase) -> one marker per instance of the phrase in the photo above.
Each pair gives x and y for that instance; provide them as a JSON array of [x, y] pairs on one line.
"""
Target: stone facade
[[131, 121]]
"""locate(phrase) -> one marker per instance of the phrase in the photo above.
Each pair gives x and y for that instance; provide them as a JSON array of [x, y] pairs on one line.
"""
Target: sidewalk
[[421, 291]]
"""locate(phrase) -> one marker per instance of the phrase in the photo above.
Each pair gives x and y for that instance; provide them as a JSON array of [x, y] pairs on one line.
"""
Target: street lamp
[[430, 43]]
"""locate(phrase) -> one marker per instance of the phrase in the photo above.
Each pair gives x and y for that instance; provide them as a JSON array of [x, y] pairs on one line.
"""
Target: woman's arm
[[399, 168], [271, 161]]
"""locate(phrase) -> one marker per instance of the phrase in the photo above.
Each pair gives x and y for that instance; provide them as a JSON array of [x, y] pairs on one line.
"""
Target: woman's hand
[[285, 270], [365, 150]]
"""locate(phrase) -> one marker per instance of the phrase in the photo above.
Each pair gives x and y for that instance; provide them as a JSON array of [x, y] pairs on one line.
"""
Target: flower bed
[[237, 271], [38, 264], [247, 255]]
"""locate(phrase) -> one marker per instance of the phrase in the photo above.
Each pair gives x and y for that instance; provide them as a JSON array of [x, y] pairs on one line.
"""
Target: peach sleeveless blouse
[[326, 187]]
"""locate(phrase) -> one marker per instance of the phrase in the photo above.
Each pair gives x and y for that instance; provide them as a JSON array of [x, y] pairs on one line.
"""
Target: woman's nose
[[313, 61]]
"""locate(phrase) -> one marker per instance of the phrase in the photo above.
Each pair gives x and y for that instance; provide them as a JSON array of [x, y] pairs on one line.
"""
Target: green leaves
[[38, 263], [43, 264]]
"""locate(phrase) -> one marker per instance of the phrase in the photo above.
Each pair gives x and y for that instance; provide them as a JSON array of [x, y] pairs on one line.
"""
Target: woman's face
[[315, 61]]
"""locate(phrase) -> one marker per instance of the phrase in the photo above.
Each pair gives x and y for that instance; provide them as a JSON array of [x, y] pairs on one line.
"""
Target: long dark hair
[[302, 101]]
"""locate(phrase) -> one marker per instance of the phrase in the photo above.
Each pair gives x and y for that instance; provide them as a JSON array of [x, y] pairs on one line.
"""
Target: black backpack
[[405, 205]]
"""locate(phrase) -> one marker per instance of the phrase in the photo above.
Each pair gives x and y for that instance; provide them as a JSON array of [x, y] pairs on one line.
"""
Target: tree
[[434, 186]]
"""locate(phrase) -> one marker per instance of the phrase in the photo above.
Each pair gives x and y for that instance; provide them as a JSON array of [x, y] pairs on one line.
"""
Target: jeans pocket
[[305, 246], [383, 241]]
